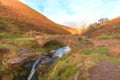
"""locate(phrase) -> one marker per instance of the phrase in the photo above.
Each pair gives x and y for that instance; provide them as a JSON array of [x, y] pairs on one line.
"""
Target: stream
[[47, 60]]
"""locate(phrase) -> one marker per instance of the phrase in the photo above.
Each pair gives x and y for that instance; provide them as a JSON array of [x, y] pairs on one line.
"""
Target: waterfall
[[34, 67]]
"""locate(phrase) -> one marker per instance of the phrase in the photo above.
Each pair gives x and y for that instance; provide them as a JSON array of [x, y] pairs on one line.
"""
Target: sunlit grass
[[110, 35], [62, 69], [100, 50]]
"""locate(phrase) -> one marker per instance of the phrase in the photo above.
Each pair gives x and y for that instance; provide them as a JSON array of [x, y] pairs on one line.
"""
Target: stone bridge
[[73, 41]]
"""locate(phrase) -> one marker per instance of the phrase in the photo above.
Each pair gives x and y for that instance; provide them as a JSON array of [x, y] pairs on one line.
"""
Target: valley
[[32, 47]]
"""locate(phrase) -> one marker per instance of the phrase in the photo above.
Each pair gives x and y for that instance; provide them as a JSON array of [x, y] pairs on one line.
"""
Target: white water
[[59, 52], [33, 70]]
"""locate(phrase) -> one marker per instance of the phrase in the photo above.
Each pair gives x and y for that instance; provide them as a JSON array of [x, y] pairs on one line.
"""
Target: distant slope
[[110, 28], [72, 30], [19, 17]]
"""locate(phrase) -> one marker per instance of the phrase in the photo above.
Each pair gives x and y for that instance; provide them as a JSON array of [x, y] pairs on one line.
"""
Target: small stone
[[24, 51], [15, 61], [52, 51], [14, 64]]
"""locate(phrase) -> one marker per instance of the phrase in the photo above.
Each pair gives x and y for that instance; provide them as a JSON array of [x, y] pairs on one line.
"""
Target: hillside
[[72, 30], [108, 29], [20, 18]]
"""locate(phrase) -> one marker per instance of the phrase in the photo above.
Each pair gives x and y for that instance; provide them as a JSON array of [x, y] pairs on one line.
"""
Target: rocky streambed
[[24, 66]]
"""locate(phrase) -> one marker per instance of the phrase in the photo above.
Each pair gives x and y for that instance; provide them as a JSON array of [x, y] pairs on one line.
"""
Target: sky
[[76, 13]]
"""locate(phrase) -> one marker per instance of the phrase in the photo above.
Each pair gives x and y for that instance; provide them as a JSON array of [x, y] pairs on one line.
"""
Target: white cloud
[[76, 12]]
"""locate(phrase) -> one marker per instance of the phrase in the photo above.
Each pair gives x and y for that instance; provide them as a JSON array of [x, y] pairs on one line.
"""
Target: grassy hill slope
[[108, 29], [17, 17]]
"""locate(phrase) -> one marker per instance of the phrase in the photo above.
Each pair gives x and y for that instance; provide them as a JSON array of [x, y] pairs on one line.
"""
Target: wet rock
[[50, 53], [29, 64], [47, 61]]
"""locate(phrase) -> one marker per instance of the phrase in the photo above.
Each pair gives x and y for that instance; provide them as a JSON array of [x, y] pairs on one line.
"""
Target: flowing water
[[48, 60], [34, 68]]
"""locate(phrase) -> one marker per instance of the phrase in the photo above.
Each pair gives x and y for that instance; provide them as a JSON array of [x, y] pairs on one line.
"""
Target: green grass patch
[[96, 57], [3, 69], [17, 74], [62, 69], [113, 59], [5, 35], [70, 70], [109, 35], [40, 77], [100, 50], [9, 46]]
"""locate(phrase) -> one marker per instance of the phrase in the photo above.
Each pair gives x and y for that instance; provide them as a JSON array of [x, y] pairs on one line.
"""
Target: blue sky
[[75, 13]]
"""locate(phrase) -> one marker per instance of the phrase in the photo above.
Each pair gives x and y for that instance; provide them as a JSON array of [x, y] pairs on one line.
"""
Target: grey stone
[[15, 61]]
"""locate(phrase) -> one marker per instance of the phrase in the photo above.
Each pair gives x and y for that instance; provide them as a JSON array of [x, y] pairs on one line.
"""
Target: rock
[[50, 53], [29, 64], [24, 51], [48, 60], [14, 63]]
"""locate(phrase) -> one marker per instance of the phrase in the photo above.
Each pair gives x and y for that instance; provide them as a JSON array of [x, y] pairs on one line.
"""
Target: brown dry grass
[[107, 27], [17, 12]]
